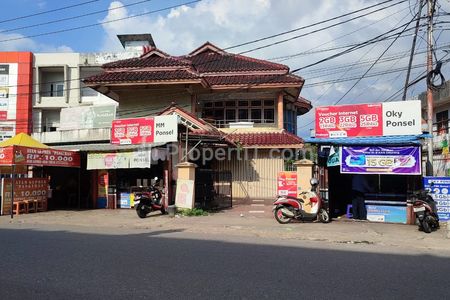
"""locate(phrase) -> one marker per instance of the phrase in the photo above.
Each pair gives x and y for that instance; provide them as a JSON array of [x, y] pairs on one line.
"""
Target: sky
[[92, 26]]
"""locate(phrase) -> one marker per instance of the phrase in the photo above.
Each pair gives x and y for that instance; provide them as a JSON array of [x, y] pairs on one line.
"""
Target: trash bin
[[171, 209]]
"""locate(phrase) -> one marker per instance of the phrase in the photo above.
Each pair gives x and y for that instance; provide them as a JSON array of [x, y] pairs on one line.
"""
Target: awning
[[107, 147], [402, 140]]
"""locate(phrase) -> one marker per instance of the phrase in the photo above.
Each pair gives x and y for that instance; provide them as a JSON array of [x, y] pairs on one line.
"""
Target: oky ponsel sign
[[161, 129], [381, 160], [376, 119]]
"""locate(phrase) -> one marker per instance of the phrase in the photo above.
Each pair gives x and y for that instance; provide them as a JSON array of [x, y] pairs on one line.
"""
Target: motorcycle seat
[[295, 198]]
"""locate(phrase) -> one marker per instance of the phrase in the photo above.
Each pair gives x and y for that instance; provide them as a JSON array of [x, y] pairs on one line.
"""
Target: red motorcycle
[[288, 208], [148, 200]]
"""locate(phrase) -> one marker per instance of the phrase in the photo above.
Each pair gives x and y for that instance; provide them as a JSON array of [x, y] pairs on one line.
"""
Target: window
[[256, 115], [442, 121], [243, 114], [56, 90]]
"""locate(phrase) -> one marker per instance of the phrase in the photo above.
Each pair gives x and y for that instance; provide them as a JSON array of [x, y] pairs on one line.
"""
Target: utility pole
[[429, 165]]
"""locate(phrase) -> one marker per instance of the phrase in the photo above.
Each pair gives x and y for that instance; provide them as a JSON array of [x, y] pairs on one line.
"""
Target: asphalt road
[[54, 262]]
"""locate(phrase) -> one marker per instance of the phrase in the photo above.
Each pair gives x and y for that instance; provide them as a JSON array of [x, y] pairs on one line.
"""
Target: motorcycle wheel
[[426, 225], [142, 210], [282, 219], [324, 216]]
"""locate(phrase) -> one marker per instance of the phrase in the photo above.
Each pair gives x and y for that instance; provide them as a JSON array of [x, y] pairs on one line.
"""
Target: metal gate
[[213, 189]]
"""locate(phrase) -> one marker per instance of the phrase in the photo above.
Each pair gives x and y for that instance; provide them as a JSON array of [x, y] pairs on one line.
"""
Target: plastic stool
[[349, 214]]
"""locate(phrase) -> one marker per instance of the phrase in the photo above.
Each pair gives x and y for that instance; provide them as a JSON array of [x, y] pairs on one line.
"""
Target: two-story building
[[247, 104]]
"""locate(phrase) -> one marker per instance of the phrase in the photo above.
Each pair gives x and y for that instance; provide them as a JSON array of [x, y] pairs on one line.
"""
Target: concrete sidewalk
[[233, 222]]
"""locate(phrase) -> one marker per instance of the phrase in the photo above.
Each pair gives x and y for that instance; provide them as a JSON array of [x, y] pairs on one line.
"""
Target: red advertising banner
[[349, 120], [132, 131], [18, 155], [287, 183], [24, 189]]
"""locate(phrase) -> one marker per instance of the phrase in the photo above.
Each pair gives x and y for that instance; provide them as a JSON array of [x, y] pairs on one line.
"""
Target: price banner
[[24, 189], [440, 193], [19, 155]]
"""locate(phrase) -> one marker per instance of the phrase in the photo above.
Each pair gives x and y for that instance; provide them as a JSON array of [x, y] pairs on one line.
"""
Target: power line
[[47, 11], [99, 23], [74, 17], [312, 25]]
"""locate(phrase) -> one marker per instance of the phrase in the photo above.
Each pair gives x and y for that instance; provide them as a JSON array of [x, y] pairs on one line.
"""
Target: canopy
[[24, 150], [401, 140]]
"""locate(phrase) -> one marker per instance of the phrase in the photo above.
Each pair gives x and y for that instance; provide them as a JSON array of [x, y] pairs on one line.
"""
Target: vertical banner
[[287, 183], [440, 193]]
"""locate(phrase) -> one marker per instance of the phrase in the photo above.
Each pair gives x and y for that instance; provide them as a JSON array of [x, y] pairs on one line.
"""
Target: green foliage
[[194, 212]]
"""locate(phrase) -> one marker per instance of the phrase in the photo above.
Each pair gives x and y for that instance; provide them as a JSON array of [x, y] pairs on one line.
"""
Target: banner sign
[[287, 183], [24, 189], [362, 120], [87, 117], [159, 129], [440, 194], [18, 155], [381, 160], [384, 213]]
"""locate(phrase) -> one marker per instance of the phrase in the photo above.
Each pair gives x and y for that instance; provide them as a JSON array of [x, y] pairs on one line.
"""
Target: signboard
[[384, 213], [440, 193], [104, 161], [19, 155], [184, 197], [376, 119], [24, 189], [87, 117], [287, 183], [159, 129], [381, 160]]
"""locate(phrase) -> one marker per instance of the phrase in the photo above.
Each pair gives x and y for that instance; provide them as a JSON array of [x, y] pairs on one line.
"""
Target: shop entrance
[[386, 202]]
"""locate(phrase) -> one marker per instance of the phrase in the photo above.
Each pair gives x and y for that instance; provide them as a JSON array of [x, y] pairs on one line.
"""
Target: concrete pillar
[[185, 193], [304, 175], [280, 111]]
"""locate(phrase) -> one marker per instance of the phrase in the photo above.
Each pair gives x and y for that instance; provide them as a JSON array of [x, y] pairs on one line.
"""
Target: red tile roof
[[254, 79], [266, 139], [213, 62], [142, 76]]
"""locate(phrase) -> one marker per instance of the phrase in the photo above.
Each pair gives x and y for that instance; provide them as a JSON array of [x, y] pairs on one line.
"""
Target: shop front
[[390, 166], [377, 143]]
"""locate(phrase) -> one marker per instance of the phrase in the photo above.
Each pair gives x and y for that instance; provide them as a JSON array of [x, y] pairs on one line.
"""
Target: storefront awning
[[107, 147], [376, 140]]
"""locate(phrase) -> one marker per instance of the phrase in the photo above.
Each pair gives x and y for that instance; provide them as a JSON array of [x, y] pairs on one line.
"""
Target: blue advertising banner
[[384, 213], [381, 160], [440, 194]]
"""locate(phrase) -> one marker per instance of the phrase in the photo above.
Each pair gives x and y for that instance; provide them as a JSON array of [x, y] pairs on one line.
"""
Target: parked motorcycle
[[148, 200], [288, 208], [426, 211]]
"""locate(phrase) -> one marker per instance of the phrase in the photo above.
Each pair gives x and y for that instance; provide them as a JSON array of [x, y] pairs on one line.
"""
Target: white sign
[[166, 129], [402, 118]]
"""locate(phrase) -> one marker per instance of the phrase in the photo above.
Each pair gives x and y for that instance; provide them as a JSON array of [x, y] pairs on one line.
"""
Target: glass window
[[269, 115], [269, 103], [256, 103], [256, 115], [243, 115], [442, 121], [230, 115], [243, 103]]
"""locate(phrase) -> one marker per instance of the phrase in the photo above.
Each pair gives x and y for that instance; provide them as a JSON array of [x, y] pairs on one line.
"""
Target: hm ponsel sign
[[374, 119]]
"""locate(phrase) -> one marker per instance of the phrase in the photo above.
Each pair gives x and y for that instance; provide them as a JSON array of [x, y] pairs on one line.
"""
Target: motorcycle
[[288, 208], [148, 200], [425, 210]]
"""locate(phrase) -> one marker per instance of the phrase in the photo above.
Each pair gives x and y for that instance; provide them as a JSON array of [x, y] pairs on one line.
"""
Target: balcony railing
[[226, 123]]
